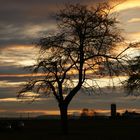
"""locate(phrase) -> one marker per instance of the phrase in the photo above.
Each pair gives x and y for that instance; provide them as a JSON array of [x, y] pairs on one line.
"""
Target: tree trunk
[[64, 117]]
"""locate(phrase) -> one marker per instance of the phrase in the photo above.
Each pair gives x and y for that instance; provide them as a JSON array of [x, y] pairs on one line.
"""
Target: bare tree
[[84, 44]]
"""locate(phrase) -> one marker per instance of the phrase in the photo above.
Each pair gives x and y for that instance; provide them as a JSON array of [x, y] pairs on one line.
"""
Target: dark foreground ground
[[78, 130]]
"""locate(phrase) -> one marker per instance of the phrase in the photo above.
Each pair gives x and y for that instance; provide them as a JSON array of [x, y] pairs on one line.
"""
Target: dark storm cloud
[[15, 15], [32, 11], [13, 34], [8, 92], [12, 70], [14, 41], [14, 78]]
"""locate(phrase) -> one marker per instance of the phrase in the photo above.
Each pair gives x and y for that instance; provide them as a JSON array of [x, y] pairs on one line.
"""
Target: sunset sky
[[24, 21]]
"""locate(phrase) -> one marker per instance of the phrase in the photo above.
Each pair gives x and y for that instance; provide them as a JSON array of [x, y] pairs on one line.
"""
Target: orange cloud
[[21, 75], [19, 55], [128, 4]]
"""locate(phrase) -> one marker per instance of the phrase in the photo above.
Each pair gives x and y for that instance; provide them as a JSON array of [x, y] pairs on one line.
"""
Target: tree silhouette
[[81, 48], [133, 82]]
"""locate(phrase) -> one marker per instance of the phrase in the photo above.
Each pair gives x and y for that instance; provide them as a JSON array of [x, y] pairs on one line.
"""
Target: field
[[78, 130]]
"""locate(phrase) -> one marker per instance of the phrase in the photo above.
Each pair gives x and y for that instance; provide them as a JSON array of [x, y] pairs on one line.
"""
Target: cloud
[[8, 100], [33, 11], [128, 4], [129, 22], [100, 101], [8, 92], [24, 34], [10, 84], [18, 56], [133, 20], [25, 21], [29, 20]]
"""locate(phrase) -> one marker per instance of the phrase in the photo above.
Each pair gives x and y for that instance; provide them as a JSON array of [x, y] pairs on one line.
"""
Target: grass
[[78, 130]]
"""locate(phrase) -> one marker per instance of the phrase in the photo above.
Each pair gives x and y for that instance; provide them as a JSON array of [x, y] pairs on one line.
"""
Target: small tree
[[83, 45], [133, 82]]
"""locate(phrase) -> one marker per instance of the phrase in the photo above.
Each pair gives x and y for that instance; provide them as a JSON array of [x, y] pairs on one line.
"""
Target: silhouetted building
[[133, 114], [113, 110]]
